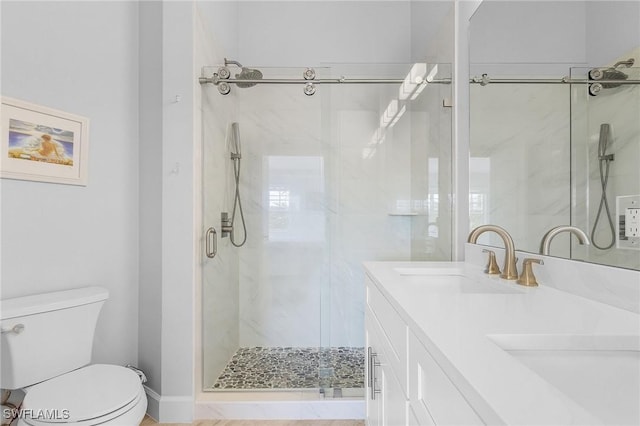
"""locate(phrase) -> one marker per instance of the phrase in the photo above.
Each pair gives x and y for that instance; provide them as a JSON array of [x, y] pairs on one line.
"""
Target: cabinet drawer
[[432, 395], [394, 329]]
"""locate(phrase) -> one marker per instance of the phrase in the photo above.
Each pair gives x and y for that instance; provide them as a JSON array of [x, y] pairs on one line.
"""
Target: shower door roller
[[309, 74], [211, 243], [309, 89], [224, 88]]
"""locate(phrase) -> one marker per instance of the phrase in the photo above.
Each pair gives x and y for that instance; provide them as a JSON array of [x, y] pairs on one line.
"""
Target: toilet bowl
[[61, 386], [92, 395]]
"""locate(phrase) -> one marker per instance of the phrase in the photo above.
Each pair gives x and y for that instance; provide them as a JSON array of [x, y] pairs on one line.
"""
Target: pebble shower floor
[[293, 368]]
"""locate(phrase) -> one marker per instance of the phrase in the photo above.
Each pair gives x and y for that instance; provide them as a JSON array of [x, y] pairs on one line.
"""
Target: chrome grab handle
[[17, 329], [210, 236], [373, 380], [370, 366]]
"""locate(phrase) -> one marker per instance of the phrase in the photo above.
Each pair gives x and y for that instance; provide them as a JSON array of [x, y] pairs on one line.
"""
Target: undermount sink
[[600, 373], [431, 270], [458, 283]]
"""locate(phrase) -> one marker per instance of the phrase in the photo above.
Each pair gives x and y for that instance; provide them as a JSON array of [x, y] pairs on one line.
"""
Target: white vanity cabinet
[[386, 372], [405, 385]]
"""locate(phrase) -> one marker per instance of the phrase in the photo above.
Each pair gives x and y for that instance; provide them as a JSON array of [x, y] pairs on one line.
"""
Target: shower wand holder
[[225, 225]]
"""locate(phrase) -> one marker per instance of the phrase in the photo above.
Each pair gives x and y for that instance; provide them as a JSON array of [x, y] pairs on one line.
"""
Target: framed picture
[[43, 144]]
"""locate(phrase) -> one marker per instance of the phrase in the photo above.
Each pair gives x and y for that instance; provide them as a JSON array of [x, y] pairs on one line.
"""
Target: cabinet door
[[394, 403], [387, 404], [393, 332], [433, 397]]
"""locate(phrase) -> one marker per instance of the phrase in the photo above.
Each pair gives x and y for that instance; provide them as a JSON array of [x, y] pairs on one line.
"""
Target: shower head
[[248, 74], [236, 150], [604, 140], [607, 74], [611, 73]]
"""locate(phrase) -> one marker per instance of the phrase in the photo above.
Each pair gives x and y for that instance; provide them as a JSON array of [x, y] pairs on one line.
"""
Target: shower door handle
[[211, 242]]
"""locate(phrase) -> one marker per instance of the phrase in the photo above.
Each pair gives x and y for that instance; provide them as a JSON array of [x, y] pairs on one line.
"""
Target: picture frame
[[43, 144]]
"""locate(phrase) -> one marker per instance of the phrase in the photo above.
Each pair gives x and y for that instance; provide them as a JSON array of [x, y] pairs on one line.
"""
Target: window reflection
[[296, 194]]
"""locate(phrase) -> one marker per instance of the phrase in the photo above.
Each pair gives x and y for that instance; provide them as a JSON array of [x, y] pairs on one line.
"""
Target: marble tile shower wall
[[315, 209], [367, 190], [285, 258], [220, 306], [431, 173], [520, 156]]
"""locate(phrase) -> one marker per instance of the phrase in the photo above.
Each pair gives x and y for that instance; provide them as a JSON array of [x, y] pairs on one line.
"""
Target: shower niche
[[320, 178]]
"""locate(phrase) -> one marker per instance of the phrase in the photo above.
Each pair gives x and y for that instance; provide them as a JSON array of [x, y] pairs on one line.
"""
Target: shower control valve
[[226, 225]]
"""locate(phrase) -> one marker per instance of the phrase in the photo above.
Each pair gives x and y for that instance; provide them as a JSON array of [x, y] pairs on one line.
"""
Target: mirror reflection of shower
[[604, 161], [228, 225]]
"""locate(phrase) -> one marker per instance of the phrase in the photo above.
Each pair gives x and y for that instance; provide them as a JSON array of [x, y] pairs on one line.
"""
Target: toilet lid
[[83, 394]]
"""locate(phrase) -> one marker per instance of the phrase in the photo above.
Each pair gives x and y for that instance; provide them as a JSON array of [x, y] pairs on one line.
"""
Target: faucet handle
[[492, 267], [527, 278]]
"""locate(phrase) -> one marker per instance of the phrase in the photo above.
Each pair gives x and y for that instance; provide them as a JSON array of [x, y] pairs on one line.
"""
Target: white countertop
[[454, 326]]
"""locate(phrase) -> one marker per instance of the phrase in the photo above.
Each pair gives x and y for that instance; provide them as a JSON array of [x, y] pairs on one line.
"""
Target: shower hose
[[603, 163], [237, 204]]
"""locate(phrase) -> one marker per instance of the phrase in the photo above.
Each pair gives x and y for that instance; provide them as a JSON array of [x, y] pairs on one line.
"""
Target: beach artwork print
[[35, 142], [43, 144]]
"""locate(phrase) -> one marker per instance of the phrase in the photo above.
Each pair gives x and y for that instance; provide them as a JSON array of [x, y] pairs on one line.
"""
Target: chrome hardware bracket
[[373, 380], [16, 329]]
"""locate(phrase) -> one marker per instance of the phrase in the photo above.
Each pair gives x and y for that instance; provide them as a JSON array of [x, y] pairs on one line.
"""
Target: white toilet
[[46, 348]]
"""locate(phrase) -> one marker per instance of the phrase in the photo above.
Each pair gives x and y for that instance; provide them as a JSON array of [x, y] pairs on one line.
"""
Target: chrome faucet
[[509, 271], [545, 244]]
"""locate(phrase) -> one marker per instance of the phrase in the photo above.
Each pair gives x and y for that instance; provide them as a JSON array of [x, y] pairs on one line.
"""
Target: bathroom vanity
[[448, 344]]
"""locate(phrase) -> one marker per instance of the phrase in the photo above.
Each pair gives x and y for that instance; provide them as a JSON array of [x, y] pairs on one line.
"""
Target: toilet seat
[[87, 396]]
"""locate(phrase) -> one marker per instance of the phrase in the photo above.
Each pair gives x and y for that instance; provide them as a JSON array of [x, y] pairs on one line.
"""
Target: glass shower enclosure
[[326, 181]]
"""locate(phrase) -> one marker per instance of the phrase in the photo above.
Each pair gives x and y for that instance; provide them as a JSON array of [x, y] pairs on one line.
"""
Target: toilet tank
[[48, 334]]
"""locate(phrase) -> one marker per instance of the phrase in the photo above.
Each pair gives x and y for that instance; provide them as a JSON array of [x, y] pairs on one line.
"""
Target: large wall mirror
[[545, 151]]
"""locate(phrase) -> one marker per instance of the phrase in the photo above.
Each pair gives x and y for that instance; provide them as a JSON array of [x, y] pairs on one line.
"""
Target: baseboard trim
[[280, 410], [169, 409]]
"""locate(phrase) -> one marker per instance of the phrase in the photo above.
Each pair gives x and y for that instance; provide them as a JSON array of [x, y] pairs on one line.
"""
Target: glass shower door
[[326, 182], [269, 290]]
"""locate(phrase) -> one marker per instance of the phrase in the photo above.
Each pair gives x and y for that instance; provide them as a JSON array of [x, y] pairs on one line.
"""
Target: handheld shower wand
[[228, 225], [604, 161]]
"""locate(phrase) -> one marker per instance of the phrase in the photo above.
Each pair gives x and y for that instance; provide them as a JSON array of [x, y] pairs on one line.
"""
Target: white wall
[[517, 34], [150, 204], [613, 31], [432, 26], [180, 219], [70, 56], [285, 33]]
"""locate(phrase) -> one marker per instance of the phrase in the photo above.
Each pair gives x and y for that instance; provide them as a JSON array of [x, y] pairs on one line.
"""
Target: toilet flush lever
[[17, 329]]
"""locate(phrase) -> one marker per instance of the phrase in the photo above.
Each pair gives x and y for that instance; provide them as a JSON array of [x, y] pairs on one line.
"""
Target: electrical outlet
[[632, 222], [628, 227]]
